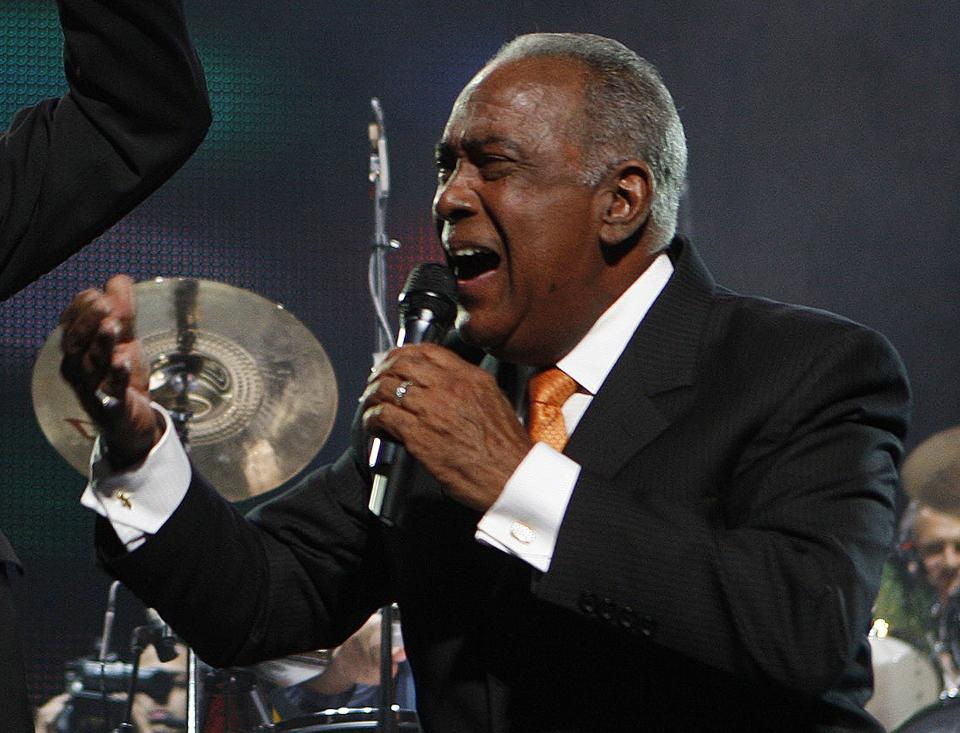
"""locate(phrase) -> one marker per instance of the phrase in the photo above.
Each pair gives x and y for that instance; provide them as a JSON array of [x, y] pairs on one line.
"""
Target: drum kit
[[248, 383], [915, 691], [253, 394]]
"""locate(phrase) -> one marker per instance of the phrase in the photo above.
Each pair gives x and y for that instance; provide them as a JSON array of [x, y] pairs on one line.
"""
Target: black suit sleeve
[[756, 543], [136, 109], [304, 572]]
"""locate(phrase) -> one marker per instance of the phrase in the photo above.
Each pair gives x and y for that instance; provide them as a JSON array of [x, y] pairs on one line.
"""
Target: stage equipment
[[905, 680], [248, 382], [343, 719], [428, 306], [381, 245], [942, 716], [101, 691], [931, 473]]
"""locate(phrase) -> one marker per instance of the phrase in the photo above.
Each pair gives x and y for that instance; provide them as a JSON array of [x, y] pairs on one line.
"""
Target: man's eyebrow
[[475, 144], [444, 150]]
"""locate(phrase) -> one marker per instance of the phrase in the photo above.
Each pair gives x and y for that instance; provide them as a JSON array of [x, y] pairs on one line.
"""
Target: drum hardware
[[254, 385], [318, 658], [232, 702], [155, 634], [379, 176], [386, 722], [942, 716], [250, 390], [93, 676], [252, 395], [98, 693], [931, 473], [382, 245], [345, 719], [905, 680], [102, 690]]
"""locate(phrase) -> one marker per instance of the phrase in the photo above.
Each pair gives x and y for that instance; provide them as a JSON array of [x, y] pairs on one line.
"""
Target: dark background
[[823, 170]]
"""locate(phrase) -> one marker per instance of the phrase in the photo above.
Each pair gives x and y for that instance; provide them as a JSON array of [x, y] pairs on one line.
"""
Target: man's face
[[938, 542], [519, 229], [165, 716]]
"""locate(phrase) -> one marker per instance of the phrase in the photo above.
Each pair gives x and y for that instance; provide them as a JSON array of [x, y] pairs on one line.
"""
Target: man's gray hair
[[630, 114]]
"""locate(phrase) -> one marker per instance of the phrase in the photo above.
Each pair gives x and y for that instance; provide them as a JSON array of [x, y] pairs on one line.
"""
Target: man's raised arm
[[136, 109]]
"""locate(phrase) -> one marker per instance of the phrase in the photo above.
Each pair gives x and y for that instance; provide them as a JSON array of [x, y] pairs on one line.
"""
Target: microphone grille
[[431, 276], [430, 284]]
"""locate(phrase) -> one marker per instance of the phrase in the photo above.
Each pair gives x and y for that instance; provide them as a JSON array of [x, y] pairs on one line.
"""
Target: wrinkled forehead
[[546, 91]]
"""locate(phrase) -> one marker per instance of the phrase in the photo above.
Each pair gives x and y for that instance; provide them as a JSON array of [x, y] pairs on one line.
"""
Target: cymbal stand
[[186, 365], [185, 307]]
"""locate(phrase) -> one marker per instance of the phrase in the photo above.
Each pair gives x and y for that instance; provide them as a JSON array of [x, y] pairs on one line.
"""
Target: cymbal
[[931, 473], [260, 387]]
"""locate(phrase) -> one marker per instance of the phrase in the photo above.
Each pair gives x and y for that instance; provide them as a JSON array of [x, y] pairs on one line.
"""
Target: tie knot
[[551, 387]]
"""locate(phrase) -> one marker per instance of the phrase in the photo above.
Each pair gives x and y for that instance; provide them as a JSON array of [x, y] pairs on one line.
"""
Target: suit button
[[588, 603], [648, 625], [627, 618], [607, 609]]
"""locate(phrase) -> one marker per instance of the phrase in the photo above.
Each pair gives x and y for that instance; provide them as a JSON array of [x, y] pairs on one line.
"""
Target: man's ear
[[627, 201]]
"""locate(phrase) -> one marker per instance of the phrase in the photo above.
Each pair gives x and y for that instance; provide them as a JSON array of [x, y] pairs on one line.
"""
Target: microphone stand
[[142, 637], [386, 720], [377, 283], [108, 619], [138, 642], [382, 244]]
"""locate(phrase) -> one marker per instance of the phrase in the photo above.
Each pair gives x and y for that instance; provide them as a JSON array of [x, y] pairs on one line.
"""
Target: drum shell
[[905, 681], [941, 717], [343, 719]]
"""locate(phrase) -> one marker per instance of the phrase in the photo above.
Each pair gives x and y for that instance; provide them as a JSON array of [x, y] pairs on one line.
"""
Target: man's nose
[[455, 197]]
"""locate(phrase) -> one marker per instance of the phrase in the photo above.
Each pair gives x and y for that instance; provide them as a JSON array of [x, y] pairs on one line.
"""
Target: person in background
[[919, 598], [351, 679], [161, 706], [136, 109]]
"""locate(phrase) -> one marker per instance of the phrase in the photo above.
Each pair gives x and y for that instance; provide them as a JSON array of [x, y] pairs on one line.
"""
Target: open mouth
[[471, 262]]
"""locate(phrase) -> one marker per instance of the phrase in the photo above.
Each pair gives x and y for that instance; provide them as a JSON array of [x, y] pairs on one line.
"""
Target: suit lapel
[[661, 357]]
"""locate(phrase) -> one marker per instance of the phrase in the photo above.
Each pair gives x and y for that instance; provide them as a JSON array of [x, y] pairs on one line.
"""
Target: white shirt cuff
[[138, 501], [525, 520]]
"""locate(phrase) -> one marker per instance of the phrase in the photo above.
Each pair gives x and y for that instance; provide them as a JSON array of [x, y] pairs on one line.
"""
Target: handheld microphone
[[428, 306]]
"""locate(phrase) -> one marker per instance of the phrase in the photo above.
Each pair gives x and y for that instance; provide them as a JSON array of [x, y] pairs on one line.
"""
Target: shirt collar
[[590, 361]]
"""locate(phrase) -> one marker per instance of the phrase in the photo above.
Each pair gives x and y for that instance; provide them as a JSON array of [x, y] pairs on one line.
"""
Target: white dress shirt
[[526, 517]]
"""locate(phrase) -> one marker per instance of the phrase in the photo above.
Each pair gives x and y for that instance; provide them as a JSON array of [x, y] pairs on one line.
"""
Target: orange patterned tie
[[548, 390]]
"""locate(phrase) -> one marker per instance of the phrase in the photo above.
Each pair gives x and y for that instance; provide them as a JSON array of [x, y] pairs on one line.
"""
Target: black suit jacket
[[71, 167], [714, 570]]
